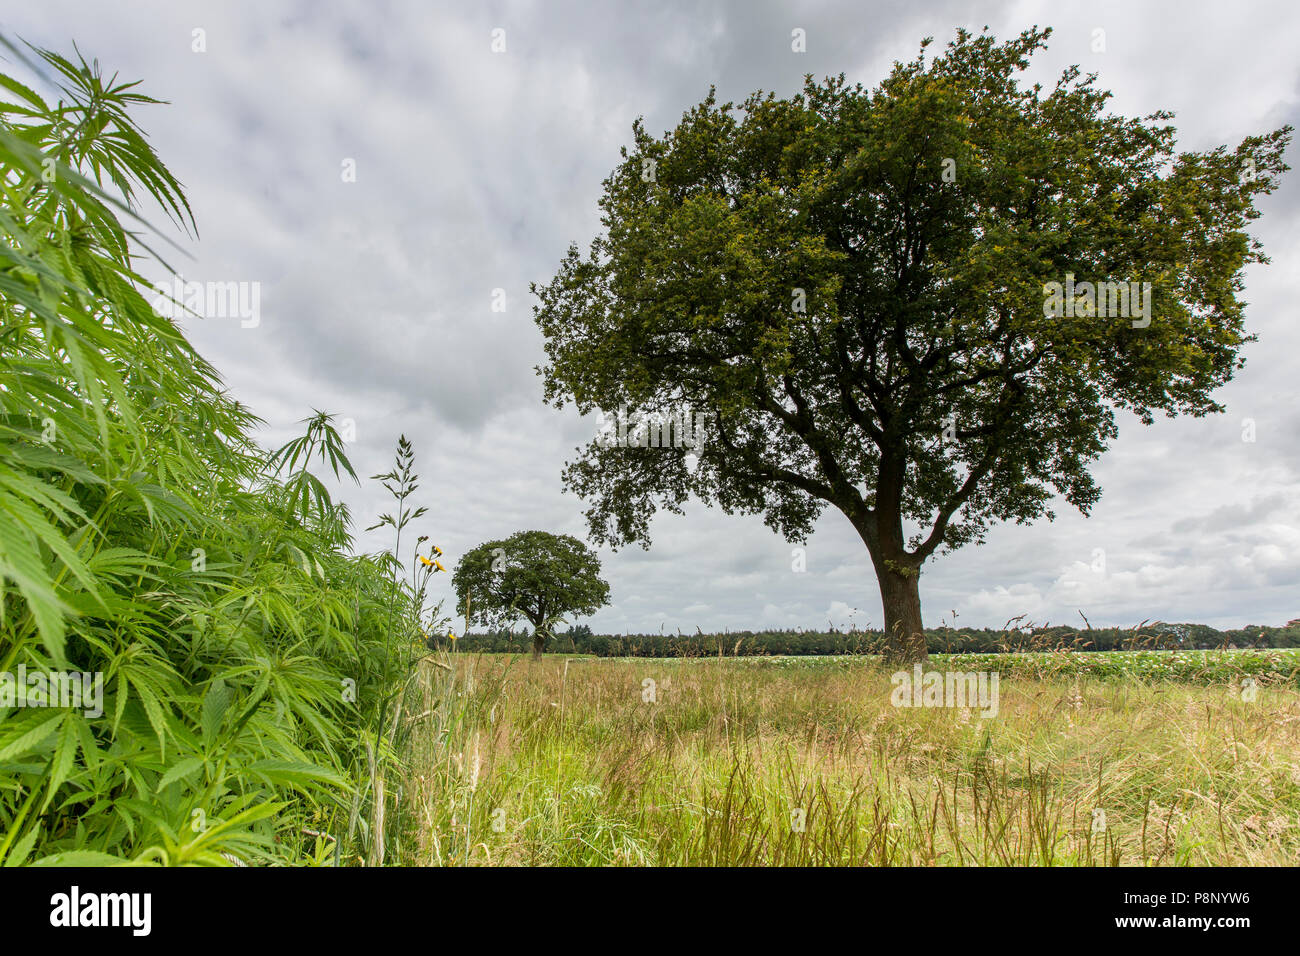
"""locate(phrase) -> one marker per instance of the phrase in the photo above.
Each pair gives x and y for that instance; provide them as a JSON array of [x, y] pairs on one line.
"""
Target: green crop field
[[1191, 667]]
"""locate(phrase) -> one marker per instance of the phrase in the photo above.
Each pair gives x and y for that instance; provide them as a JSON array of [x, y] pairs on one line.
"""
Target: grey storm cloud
[[474, 173]]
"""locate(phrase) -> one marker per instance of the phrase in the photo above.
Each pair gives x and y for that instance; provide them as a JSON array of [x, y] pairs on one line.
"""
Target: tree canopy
[[902, 302]]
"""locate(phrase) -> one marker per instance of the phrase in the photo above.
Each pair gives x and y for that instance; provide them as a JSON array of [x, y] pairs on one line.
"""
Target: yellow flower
[[437, 550], [437, 566], [451, 636], [425, 561]]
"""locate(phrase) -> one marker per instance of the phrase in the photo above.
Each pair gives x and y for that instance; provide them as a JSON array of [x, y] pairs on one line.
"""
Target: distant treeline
[[580, 640]]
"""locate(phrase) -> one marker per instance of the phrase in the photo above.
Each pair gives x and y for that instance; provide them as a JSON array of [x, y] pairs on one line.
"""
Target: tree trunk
[[539, 639], [898, 573], [900, 595]]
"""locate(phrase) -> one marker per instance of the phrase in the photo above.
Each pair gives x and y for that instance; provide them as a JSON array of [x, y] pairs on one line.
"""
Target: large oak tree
[[855, 287]]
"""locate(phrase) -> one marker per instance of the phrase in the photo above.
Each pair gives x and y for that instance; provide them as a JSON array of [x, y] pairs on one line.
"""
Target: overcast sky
[[474, 172]]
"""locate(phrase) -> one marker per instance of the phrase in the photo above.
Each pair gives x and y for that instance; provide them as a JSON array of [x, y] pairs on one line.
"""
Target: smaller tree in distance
[[534, 575]]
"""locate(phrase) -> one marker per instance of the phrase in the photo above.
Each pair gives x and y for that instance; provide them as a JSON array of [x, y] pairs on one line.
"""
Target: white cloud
[[475, 171]]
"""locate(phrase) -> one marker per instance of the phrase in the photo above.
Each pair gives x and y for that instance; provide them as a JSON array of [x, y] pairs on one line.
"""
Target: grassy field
[[806, 762]]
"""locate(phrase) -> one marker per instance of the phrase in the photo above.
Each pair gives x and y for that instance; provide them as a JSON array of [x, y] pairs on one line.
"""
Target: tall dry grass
[[567, 762]]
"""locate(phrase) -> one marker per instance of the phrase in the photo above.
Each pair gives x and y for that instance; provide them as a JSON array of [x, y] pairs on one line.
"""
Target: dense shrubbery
[[580, 640], [250, 663]]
